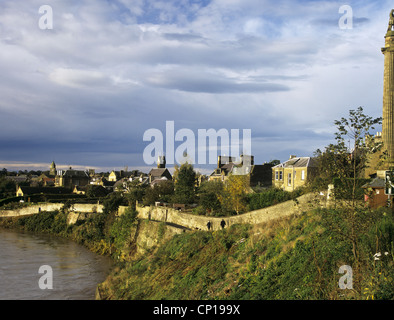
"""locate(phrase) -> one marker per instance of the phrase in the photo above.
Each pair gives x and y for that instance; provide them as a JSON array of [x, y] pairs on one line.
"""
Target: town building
[[161, 173], [294, 173], [70, 178], [258, 175]]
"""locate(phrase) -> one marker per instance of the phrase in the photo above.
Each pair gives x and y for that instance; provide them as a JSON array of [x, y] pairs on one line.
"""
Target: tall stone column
[[388, 92]]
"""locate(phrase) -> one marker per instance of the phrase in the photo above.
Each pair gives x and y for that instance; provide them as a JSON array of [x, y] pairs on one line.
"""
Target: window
[[280, 175], [276, 175], [289, 179], [303, 175]]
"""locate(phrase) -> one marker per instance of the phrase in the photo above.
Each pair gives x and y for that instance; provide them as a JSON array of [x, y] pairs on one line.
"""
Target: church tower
[[52, 169], [388, 92]]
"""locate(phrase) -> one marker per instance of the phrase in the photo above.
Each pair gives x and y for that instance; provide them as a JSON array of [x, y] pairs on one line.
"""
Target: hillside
[[293, 257], [290, 258]]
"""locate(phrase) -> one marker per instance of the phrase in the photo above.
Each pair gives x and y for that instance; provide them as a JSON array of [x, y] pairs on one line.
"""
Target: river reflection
[[76, 270]]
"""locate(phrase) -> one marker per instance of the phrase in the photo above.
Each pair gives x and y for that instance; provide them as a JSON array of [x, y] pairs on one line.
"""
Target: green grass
[[292, 258]]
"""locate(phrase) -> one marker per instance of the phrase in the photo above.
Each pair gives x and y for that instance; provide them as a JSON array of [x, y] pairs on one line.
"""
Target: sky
[[81, 87]]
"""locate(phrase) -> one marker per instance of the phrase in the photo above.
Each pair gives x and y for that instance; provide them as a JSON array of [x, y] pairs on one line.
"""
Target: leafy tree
[[7, 187], [93, 191], [234, 193], [136, 192], [351, 219], [112, 202], [356, 129], [184, 184], [209, 196], [162, 191]]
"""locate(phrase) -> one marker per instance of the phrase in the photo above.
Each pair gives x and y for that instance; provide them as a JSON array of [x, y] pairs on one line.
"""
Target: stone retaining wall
[[37, 208], [165, 214]]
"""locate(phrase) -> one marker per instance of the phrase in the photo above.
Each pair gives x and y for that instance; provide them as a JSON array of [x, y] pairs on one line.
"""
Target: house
[[375, 196], [122, 174], [223, 170], [256, 174], [79, 190], [71, 178], [28, 191], [294, 173], [160, 173], [46, 180]]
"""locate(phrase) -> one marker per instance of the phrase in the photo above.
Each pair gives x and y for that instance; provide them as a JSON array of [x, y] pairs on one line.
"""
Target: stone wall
[[169, 215], [33, 209], [37, 208], [149, 234]]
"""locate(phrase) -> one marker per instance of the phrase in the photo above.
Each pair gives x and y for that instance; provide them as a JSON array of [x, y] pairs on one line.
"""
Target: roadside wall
[[302, 204]]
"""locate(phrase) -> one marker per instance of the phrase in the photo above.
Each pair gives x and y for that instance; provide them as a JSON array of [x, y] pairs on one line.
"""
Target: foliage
[[121, 230], [185, 184], [95, 191], [293, 258], [7, 187], [234, 194], [136, 192], [270, 197], [112, 202], [341, 162], [209, 197], [162, 191]]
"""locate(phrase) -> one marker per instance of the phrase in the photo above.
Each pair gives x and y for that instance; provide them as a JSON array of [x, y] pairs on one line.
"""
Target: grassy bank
[[292, 258]]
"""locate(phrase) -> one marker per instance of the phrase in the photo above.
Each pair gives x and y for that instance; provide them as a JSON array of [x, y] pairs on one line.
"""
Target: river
[[71, 269]]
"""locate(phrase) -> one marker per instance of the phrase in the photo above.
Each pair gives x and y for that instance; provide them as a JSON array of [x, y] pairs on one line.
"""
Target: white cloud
[[79, 78]]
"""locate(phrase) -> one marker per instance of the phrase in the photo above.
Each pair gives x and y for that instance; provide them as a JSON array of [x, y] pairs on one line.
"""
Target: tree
[[209, 196], [234, 193], [7, 187], [184, 184], [136, 192], [356, 129], [162, 191], [350, 220], [93, 191]]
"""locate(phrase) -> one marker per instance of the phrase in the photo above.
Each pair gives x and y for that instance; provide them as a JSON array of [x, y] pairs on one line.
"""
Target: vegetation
[[184, 184], [292, 258]]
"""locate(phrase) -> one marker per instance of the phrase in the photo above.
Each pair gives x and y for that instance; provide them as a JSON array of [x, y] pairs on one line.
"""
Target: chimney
[[161, 162], [292, 156]]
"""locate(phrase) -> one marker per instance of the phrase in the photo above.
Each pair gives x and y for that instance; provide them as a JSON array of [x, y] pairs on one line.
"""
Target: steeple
[[52, 169], [388, 91]]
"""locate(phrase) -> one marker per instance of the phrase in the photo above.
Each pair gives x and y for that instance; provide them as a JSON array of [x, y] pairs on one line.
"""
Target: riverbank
[[292, 257]]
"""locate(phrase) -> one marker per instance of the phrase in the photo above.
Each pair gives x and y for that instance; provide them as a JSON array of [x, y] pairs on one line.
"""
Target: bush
[[120, 230], [267, 198]]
